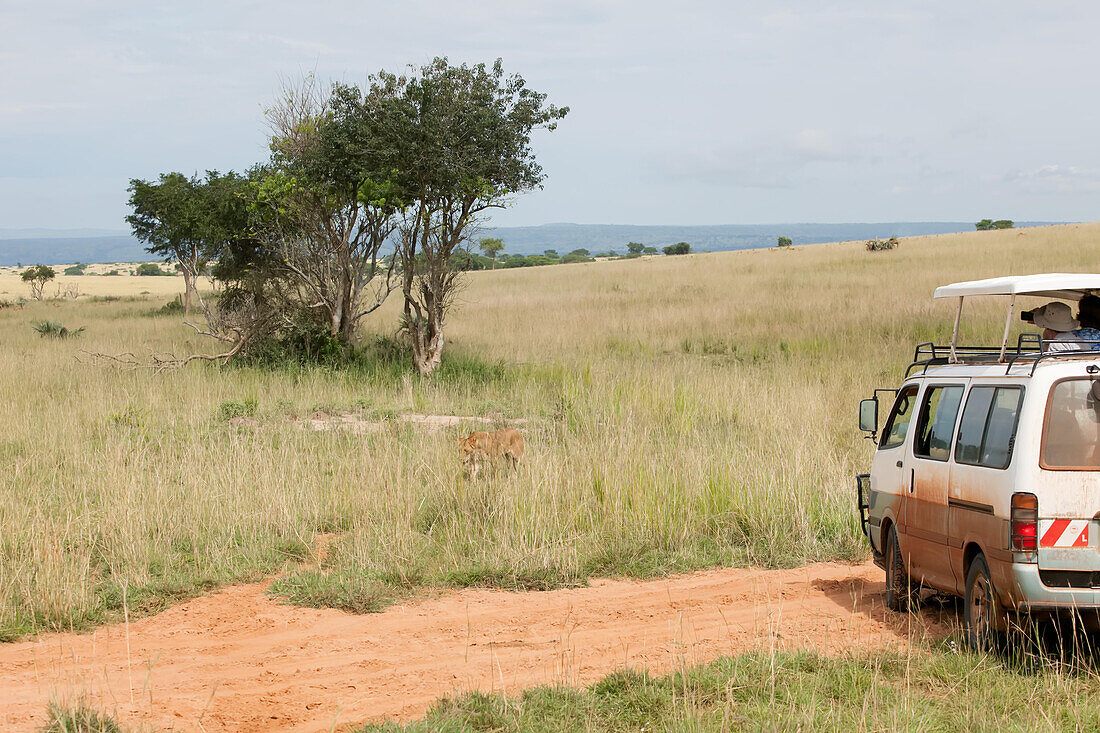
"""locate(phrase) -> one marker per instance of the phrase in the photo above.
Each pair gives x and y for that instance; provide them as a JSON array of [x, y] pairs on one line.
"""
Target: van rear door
[[1069, 495]]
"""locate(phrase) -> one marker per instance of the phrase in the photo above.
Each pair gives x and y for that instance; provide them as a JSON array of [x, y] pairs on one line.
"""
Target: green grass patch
[[79, 717], [353, 593], [936, 690]]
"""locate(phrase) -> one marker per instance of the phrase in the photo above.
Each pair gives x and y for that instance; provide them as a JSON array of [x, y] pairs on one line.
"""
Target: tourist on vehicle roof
[[1059, 326], [1088, 313]]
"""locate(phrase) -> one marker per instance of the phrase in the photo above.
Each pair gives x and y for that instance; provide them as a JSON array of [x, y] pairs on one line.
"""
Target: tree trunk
[[188, 288], [428, 349]]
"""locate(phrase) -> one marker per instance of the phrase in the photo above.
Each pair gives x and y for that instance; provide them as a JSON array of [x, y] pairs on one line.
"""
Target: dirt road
[[238, 661]]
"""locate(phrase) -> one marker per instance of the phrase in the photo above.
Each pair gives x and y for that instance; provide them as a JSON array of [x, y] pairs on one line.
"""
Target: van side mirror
[[868, 416]]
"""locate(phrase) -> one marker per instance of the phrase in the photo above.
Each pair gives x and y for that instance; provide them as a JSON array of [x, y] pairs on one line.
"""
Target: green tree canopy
[[458, 141], [491, 246], [37, 277]]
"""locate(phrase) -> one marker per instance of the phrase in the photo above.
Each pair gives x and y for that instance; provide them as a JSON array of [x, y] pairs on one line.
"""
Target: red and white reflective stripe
[[1066, 533]]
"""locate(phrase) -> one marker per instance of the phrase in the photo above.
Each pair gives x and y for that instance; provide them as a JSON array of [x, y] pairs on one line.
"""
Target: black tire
[[899, 591], [981, 612]]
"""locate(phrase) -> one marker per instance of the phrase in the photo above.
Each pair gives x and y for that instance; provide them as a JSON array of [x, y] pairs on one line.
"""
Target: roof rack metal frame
[[1030, 349]]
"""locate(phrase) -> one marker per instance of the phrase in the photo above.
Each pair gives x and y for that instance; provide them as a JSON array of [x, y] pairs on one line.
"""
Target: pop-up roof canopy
[[1064, 285], [1068, 286]]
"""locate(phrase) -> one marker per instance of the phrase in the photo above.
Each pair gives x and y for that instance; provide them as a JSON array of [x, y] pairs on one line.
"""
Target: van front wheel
[[899, 592], [980, 608]]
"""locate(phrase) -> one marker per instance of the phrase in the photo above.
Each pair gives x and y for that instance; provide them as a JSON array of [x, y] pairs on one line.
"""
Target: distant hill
[[602, 237], [66, 250], [59, 247]]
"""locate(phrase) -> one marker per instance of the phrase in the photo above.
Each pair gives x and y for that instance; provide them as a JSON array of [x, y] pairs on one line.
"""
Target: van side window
[[1071, 430], [897, 426], [988, 428], [936, 426]]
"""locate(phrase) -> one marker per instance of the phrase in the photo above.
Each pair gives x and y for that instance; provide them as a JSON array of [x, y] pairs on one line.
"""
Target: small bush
[[784, 242], [77, 269], [79, 718], [680, 248], [881, 245], [171, 308], [237, 408], [150, 269], [112, 273], [53, 329]]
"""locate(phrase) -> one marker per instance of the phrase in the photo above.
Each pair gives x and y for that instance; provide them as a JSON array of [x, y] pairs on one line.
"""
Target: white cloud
[[1056, 179]]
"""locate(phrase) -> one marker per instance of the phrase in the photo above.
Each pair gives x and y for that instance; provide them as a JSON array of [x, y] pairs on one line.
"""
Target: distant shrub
[[986, 225], [172, 308], [150, 269], [112, 273], [574, 257], [649, 251], [680, 248], [37, 277], [237, 408], [784, 242], [881, 245], [53, 329], [77, 269]]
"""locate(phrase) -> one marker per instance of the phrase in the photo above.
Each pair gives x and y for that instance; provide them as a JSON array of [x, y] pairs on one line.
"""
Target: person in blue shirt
[[1088, 314]]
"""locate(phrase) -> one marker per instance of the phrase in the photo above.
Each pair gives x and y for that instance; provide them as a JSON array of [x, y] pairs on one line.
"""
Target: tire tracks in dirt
[[238, 660]]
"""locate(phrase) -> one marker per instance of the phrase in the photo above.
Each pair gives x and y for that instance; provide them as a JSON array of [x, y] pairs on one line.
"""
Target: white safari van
[[985, 482]]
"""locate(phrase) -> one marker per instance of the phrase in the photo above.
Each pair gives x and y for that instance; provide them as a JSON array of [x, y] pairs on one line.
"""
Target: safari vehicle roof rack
[[1067, 286], [1030, 349]]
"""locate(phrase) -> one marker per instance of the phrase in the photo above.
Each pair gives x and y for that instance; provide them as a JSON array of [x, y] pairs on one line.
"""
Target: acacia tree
[[325, 207], [37, 277], [458, 139], [166, 217], [491, 246]]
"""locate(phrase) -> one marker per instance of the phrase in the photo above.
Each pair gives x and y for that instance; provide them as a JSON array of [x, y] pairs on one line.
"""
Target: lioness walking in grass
[[481, 447]]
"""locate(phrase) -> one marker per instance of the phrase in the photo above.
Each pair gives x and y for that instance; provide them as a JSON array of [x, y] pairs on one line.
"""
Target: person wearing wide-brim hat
[[1058, 324]]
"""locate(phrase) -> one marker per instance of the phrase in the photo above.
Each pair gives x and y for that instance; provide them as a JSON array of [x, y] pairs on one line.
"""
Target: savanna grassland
[[680, 412]]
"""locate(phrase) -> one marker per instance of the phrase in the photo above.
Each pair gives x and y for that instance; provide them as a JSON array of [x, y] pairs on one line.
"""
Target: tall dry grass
[[680, 413]]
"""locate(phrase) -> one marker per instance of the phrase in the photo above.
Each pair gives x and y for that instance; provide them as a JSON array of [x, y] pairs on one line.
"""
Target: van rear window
[[988, 426], [1071, 429]]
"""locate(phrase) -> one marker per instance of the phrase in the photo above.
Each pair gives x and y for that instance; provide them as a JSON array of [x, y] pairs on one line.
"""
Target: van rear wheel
[[980, 608], [899, 591]]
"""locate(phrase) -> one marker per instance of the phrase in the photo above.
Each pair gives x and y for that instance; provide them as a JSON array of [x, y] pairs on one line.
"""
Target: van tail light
[[1025, 522]]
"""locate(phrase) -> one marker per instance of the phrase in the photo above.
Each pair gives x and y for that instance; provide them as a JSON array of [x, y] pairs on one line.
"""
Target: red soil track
[[239, 661]]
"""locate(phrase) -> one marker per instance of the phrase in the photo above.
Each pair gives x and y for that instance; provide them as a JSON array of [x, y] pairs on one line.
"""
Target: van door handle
[[899, 464], [912, 479]]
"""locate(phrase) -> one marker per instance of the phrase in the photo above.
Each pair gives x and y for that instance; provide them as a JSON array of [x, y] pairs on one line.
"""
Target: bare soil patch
[[238, 660]]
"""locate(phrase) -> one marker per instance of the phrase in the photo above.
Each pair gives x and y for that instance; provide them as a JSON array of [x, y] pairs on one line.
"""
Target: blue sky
[[682, 113]]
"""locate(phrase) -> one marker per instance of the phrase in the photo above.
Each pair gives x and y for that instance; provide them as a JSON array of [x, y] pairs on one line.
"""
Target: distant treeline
[[470, 260], [65, 248]]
